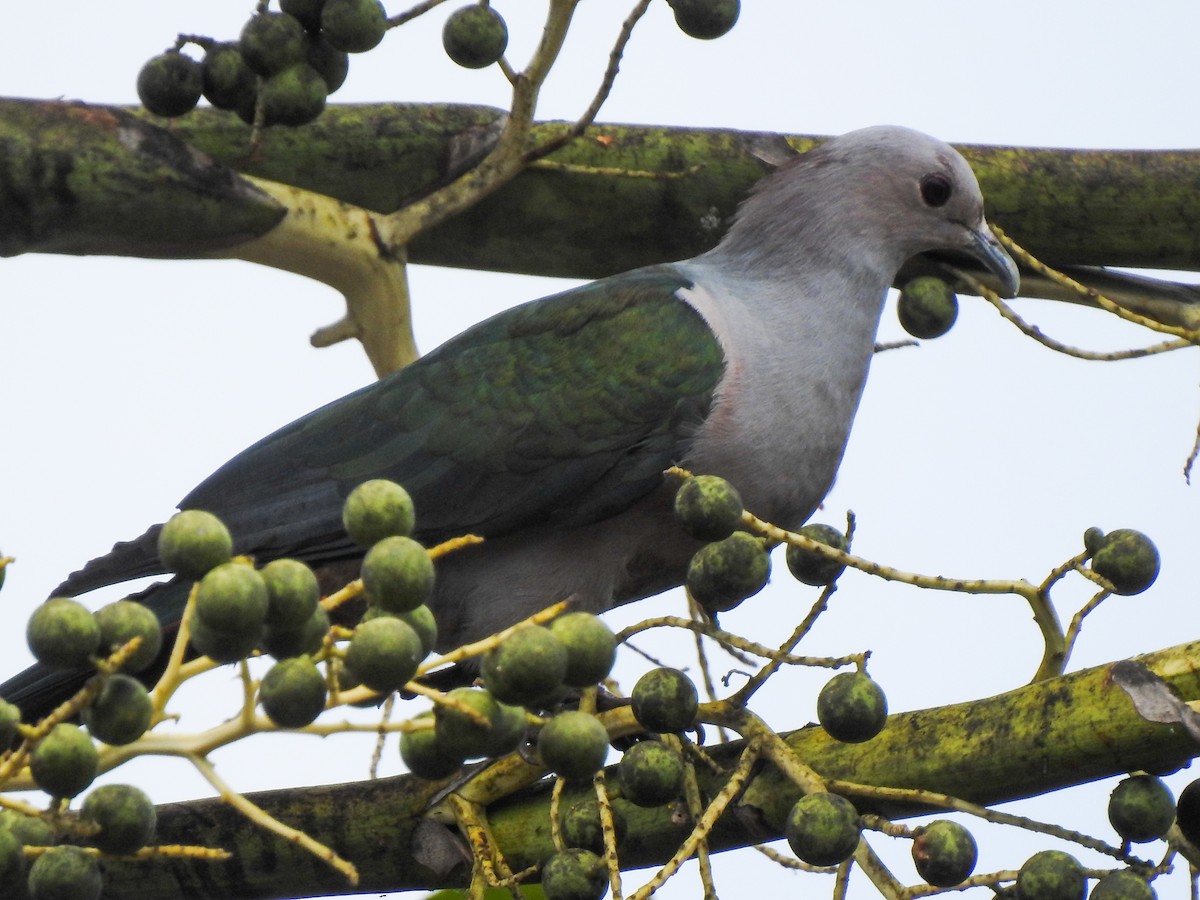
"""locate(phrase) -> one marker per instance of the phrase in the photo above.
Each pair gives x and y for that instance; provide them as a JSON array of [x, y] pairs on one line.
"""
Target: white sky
[[124, 382]]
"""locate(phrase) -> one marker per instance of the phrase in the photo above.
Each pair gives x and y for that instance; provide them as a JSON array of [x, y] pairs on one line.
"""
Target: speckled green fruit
[[462, 735], [1187, 811], [63, 634], [475, 36], [293, 692], [354, 26], [29, 830], [223, 646], [10, 718], [292, 592], [526, 666], [507, 731], [574, 874], [705, 19], [307, 11], [1051, 875], [822, 829], [591, 647], [12, 865], [331, 63], [1141, 808], [377, 509], [573, 745], [121, 712], [1123, 884], [708, 507], [232, 598], [65, 761], [927, 307], [809, 566], [651, 774], [193, 542], [421, 621], [851, 707], [1128, 559], [293, 96], [397, 574], [723, 574], [581, 824], [65, 873], [228, 82], [944, 853], [272, 42], [125, 815], [170, 84], [424, 754], [121, 622], [384, 653], [665, 701], [282, 642]]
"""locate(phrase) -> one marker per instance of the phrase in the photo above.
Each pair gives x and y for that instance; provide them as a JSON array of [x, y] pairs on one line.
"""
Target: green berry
[[809, 566], [1122, 884], [293, 692], [1093, 539], [665, 701], [12, 865], [927, 307], [705, 19], [1128, 559], [475, 36], [397, 574], [272, 42], [354, 26], [331, 63], [507, 731], [65, 873], [1141, 808], [822, 829], [574, 874], [125, 815], [1051, 875], [223, 646], [170, 84], [573, 745], [193, 542], [1187, 811], [851, 707], [651, 774], [384, 653], [424, 755], [292, 592], [121, 622], [460, 734], [307, 11], [232, 598], [64, 762], [293, 96], [63, 634], [526, 666], [591, 647], [121, 712], [228, 82], [10, 718], [377, 509], [283, 642], [708, 507], [581, 825], [723, 574], [944, 853], [421, 621], [31, 831]]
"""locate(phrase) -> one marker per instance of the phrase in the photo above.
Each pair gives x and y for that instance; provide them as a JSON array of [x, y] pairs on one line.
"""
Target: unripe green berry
[[1141, 808], [665, 701], [170, 84], [475, 36], [822, 829], [1128, 559], [354, 26], [272, 42], [293, 692], [1051, 875], [591, 647], [530, 663], [708, 507], [121, 622], [65, 873], [944, 853], [397, 574], [63, 634], [573, 745], [384, 653], [809, 566], [64, 763], [121, 712], [927, 307], [126, 817], [723, 574], [651, 774], [851, 707], [233, 599], [193, 542], [574, 874], [705, 19], [377, 509]]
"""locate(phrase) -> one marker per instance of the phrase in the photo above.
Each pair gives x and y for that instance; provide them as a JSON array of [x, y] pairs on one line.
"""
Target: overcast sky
[[124, 382]]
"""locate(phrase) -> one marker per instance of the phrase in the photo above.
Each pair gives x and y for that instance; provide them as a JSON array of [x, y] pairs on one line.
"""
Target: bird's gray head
[[872, 197]]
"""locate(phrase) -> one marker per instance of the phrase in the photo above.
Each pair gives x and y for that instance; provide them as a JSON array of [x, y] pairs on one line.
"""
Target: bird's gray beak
[[986, 249]]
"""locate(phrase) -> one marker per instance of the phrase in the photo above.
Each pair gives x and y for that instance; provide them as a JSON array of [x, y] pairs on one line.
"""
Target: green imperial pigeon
[[547, 428]]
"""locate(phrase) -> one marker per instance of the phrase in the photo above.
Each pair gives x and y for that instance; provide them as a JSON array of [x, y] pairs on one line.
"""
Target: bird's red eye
[[936, 189]]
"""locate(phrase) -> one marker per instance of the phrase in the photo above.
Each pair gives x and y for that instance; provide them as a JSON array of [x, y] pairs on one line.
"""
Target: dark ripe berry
[[944, 853], [294, 96], [421, 621], [459, 733], [232, 598], [851, 707], [377, 509], [397, 574], [1128, 559], [581, 824], [228, 82], [10, 718], [331, 63], [424, 755], [1051, 875], [665, 701], [823, 829], [12, 865], [63, 634], [65, 761], [292, 592], [193, 542], [293, 692], [591, 647], [121, 712], [526, 666], [708, 507], [927, 307], [121, 622], [574, 874], [384, 653], [475, 36], [170, 84], [223, 646], [809, 566], [125, 815], [354, 26], [65, 873], [1123, 884], [573, 745], [705, 19], [282, 642], [1141, 808], [271, 42], [651, 774], [307, 11], [1187, 812], [723, 574]]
